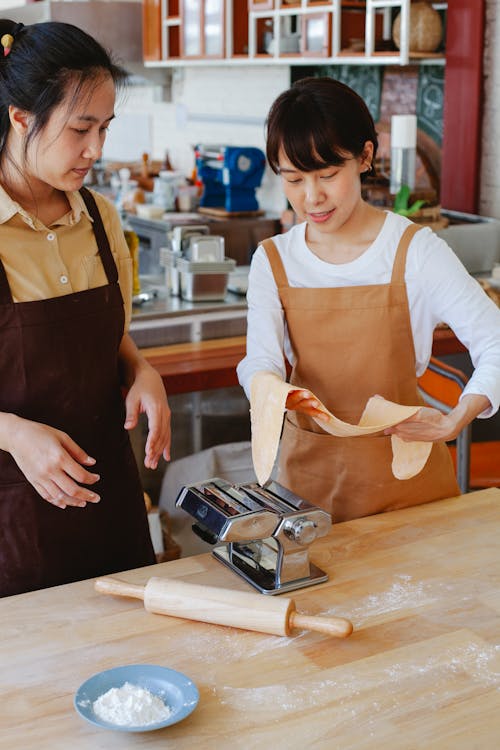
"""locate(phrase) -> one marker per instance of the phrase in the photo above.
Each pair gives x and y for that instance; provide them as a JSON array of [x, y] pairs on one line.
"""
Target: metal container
[[168, 259], [206, 249], [204, 281], [181, 235]]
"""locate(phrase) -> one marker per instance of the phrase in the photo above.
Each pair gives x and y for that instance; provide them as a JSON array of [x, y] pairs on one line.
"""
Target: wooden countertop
[[421, 670]]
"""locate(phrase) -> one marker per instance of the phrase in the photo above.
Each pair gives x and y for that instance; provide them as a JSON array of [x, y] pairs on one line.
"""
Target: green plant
[[401, 202]]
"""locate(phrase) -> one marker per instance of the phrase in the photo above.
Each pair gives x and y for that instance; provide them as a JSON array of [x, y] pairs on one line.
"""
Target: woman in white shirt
[[350, 297]]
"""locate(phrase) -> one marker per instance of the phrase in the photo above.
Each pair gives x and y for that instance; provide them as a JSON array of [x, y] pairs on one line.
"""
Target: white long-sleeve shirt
[[439, 288]]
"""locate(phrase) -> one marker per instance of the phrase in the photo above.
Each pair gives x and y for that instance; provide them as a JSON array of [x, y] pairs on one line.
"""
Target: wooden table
[[202, 365], [421, 671]]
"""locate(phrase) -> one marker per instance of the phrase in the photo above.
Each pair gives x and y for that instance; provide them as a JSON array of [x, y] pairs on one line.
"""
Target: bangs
[[318, 123], [308, 141]]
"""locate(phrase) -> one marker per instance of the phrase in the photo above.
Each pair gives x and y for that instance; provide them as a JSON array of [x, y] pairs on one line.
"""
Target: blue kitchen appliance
[[230, 176]]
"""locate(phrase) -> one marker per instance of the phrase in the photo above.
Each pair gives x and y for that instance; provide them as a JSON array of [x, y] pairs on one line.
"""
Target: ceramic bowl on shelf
[[426, 28]]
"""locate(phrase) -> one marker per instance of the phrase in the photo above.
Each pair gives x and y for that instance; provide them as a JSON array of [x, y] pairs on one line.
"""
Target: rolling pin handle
[[334, 626], [114, 586]]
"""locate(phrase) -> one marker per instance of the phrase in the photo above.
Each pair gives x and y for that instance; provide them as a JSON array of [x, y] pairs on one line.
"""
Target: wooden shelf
[[244, 28]]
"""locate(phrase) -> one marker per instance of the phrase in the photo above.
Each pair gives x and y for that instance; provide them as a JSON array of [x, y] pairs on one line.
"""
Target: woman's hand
[[427, 425], [431, 425], [51, 461], [147, 395], [303, 401]]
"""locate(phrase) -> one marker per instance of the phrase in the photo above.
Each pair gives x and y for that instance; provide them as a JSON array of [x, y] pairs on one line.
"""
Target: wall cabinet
[[202, 29], [193, 31], [350, 31]]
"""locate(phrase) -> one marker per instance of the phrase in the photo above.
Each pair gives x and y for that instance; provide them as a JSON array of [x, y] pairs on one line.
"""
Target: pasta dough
[[268, 394]]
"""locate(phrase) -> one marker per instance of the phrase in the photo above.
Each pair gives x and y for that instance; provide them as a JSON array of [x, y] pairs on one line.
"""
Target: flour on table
[[130, 705]]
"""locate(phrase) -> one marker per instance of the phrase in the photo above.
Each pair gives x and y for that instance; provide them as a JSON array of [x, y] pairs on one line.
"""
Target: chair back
[[440, 386]]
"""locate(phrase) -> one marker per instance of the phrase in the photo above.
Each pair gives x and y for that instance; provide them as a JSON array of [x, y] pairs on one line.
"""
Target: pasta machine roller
[[265, 532]]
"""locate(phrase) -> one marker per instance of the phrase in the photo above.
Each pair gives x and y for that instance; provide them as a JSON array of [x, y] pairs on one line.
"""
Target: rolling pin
[[238, 609]]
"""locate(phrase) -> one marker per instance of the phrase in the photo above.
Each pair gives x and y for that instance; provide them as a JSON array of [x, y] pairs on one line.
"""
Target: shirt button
[[63, 279], [51, 236]]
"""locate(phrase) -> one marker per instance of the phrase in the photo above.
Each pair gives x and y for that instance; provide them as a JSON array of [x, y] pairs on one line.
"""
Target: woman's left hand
[[431, 425], [147, 395], [427, 425]]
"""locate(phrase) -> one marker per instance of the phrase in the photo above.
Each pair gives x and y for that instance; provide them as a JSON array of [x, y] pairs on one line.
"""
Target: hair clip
[[7, 41]]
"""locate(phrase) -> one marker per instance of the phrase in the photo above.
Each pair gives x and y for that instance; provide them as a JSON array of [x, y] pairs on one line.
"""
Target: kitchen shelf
[[326, 45], [344, 58]]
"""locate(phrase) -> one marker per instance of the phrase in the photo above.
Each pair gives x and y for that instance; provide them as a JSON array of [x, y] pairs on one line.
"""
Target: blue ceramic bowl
[[174, 688]]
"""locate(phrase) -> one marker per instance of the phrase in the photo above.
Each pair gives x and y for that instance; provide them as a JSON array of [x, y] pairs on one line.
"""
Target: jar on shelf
[[426, 27]]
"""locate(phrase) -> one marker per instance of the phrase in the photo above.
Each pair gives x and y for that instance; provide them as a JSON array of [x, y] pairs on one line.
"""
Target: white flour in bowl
[[130, 706]]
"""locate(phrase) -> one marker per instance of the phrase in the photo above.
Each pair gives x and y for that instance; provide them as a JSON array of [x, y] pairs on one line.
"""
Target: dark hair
[[45, 58], [318, 122]]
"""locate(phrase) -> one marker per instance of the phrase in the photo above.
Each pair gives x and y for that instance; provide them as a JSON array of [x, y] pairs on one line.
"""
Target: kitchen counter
[[421, 670], [165, 320], [164, 305]]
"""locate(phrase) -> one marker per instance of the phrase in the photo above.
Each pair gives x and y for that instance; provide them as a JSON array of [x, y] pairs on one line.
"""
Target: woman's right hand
[[303, 401], [51, 461]]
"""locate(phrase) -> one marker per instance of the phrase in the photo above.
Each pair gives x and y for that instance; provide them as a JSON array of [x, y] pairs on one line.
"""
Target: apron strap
[[277, 266], [398, 269], [5, 293], [101, 236]]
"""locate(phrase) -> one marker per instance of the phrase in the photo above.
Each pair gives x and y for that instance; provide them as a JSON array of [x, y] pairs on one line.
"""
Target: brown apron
[[59, 366], [351, 343]]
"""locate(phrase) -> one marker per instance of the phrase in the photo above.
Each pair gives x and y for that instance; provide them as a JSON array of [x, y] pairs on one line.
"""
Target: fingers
[[426, 425], [76, 452], [53, 494], [132, 417], [304, 402], [159, 436], [61, 485], [300, 400], [147, 395]]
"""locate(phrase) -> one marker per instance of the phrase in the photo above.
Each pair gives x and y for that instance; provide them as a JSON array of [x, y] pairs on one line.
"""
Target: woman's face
[[72, 140], [325, 198]]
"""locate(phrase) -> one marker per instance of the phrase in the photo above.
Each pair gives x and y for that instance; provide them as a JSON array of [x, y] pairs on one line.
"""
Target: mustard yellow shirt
[[43, 262]]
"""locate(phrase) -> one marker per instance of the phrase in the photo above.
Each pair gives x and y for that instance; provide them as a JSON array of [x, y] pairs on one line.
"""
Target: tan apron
[[351, 343]]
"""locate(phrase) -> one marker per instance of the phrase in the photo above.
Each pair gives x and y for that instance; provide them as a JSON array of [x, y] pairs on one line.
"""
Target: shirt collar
[[9, 208]]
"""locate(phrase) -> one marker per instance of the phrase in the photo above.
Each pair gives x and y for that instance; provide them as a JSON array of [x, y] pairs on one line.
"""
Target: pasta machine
[[265, 532]]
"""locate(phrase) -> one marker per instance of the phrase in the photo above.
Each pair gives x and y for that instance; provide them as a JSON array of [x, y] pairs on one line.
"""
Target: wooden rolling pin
[[238, 609]]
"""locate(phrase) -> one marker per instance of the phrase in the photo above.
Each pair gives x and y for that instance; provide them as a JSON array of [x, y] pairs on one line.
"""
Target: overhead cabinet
[[239, 31]]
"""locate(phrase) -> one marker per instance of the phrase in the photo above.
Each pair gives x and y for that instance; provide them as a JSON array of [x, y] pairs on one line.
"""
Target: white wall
[[212, 104]]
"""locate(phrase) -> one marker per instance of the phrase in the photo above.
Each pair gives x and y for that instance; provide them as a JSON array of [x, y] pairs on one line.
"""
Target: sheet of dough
[[268, 394]]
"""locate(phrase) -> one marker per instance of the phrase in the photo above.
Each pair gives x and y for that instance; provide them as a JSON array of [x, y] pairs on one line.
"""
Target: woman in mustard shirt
[[71, 502]]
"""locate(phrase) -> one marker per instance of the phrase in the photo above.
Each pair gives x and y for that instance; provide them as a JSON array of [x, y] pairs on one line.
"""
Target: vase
[[426, 28]]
